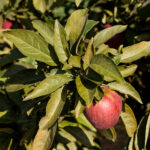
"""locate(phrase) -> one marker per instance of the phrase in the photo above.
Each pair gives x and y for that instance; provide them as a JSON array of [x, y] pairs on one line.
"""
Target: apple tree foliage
[[54, 70]]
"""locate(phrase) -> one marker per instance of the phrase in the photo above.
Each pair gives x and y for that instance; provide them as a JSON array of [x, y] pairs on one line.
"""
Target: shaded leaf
[[106, 34], [14, 55], [135, 52], [49, 85], [23, 79], [126, 88], [88, 54], [53, 108], [44, 138], [75, 25], [82, 135], [106, 67], [109, 134], [89, 25], [85, 89], [45, 29], [129, 120], [142, 134], [40, 5], [31, 44], [60, 42]]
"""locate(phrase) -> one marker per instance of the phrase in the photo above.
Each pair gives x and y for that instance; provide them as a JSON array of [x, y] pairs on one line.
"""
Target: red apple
[[115, 41], [106, 112], [7, 24]]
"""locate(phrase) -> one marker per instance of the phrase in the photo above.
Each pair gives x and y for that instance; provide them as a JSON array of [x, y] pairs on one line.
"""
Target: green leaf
[[127, 70], [129, 120], [135, 52], [89, 25], [60, 42], [53, 108], [86, 90], [65, 137], [31, 44], [109, 134], [44, 138], [106, 34], [49, 85], [23, 79], [75, 61], [83, 120], [126, 88], [78, 2], [88, 54], [72, 146], [75, 25], [106, 67], [82, 135], [40, 5], [45, 29], [142, 134], [79, 108]]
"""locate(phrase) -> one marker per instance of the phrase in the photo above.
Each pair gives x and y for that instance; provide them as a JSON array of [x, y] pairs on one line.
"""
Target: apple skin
[[106, 112], [7, 24], [115, 41]]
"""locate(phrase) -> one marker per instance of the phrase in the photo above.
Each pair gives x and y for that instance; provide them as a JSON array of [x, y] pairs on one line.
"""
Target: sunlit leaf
[[44, 138], [106, 34], [129, 120], [53, 108], [72, 146], [49, 85], [135, 52], [60, 42], [127, 70], [85, 89], [40, 5], [45, 29], [88, 54], [126, 88], [106, 67], [75, 25], [75, 61], [78, 2], [31, 44]]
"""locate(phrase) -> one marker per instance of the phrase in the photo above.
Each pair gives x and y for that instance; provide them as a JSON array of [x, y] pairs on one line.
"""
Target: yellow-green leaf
[[129, 120]]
